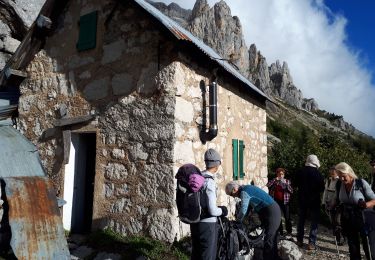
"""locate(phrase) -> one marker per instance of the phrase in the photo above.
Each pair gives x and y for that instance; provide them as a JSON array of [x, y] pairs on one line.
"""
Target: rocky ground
[[326, 248]]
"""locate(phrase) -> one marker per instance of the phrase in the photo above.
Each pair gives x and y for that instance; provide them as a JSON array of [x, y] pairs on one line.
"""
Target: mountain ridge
[[217, 28]]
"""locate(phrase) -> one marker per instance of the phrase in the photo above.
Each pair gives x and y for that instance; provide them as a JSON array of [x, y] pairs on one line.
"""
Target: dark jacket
[[310, 184]]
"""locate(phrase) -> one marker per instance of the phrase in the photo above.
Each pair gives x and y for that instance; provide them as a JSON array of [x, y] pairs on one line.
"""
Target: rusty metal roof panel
[[18, 156], [34, 219], [182, 34]]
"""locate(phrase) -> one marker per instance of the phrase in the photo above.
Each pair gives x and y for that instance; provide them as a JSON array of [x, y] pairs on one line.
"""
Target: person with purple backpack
[[204, 233]]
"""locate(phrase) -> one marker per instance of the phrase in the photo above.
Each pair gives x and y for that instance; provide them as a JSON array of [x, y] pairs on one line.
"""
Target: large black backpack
[[190, 193], [232, 240]]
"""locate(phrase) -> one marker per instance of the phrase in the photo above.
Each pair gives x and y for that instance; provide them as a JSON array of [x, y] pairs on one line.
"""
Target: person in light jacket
[[330, 204], [355, 195], [204, 233]]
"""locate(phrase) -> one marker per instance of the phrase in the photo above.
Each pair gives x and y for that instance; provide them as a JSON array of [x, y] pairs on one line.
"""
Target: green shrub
[[298, 141]]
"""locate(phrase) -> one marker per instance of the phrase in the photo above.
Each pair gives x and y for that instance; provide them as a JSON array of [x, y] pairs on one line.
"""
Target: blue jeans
[[315, 215]]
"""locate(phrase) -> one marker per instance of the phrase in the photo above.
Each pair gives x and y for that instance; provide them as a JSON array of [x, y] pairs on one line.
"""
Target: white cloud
[[312, 40]]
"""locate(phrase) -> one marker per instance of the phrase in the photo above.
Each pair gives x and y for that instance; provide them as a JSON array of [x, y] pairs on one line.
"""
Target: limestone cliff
[[223, 32]]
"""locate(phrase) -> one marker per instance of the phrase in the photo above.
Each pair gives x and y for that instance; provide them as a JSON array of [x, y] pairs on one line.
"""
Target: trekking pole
[[337, 246], [362, 205], [221, 224], [328, 213]]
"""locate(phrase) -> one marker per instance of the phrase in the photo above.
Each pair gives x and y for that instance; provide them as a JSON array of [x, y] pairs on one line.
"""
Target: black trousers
[[302, 215], [288, 223], [270, 218], [204, 240], [353, 228]]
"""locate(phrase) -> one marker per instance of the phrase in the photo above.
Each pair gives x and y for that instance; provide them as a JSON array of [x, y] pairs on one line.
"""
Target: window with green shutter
[[235, 159], [87, 31], [238, 159]]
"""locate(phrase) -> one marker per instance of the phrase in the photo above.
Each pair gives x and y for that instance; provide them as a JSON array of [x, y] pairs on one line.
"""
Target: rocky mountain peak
[[222, 32], [200, 7], [310, 104], [174, 11]]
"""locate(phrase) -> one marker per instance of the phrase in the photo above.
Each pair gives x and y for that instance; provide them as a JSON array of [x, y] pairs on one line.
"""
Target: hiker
[[204, 233], [267, 209], [310, 184], [372, 164], [355, 194], [280, 189], [330, 204]]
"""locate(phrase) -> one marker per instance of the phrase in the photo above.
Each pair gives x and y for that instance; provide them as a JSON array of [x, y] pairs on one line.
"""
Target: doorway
[[79, 183]]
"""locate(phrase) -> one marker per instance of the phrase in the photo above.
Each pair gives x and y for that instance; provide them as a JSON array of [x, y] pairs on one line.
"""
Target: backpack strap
[[338, 187], [206, 177], [328, 182], [204, 213], [359, 184], [244, 240]]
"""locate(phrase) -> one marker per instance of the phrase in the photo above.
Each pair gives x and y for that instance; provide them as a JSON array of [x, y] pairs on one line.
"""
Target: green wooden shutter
[[241, 159], [235, 158], [87, 31]]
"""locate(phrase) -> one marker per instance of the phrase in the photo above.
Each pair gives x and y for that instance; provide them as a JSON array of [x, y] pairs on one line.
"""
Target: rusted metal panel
[[34, 219]]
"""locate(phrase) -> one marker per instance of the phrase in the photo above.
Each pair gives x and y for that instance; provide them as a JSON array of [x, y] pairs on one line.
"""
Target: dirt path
[[326, 246]]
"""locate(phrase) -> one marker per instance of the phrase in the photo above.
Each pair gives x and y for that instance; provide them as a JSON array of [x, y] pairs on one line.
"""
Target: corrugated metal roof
[[34, 219], [182, 34], [18, 156]]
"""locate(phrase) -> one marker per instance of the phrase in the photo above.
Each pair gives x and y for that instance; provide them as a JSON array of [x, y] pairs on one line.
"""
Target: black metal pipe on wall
[[212, 100], [213, 129]]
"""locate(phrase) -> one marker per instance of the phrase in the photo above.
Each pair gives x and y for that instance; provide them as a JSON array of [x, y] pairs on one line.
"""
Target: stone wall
[[148, 105], [238, 118], [134, 189]]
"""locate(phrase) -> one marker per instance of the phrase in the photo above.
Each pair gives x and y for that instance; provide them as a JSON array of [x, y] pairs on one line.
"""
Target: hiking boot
[[311, 247], [299, 243]]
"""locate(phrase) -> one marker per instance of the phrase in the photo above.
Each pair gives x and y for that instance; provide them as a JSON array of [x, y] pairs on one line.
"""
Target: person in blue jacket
[[267, 209]]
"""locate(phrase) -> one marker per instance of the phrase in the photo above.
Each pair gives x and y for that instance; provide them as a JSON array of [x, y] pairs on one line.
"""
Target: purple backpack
[[190, 188]]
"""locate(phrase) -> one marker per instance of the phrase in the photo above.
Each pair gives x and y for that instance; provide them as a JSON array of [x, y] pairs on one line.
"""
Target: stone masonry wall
[[121, 83], [148, 107], [238, 118]]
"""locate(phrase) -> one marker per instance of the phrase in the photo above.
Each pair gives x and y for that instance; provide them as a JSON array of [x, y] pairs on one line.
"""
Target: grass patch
[[131, 247]]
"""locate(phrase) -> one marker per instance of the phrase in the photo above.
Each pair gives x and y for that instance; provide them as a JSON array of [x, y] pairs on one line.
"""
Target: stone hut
[[116, 96]]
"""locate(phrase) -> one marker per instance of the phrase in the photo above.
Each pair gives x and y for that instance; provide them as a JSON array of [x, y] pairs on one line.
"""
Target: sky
[[329, 46]]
